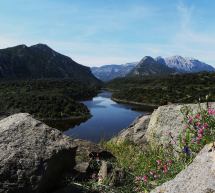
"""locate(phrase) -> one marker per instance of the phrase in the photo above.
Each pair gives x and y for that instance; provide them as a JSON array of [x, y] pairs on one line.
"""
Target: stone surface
[[168, 119], [103, 172], [37, 158], [135, 132], [33, 156], [198, 177]]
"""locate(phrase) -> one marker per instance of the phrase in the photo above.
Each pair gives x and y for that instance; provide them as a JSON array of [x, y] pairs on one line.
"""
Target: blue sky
[[97, 32]]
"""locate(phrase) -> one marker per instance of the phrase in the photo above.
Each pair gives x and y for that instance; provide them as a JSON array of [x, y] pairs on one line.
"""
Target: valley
[[104, 135], [107, 96]]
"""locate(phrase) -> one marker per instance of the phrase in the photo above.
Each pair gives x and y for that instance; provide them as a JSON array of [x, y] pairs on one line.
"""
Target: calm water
[[108, 118]]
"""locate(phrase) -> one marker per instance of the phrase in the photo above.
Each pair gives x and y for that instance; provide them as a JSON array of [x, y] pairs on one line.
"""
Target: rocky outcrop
[[33, 156], [36, 158], [198, 177], [154, 129], [166, 119], [135, 132]]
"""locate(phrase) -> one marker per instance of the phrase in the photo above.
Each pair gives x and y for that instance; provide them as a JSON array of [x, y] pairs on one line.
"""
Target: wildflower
[[169, 162], [158, 162], [152, 173], [155, 176], [200, 131], [211, 111], [205, 125], [165, 168], [190, 120], [200, 136], [137, 178], [198, 124], [145, 178], [198, 140], [198, 116], [186, 150]]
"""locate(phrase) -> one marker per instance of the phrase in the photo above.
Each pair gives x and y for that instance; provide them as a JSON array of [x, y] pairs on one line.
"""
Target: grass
[[153, 166], [148, 168]]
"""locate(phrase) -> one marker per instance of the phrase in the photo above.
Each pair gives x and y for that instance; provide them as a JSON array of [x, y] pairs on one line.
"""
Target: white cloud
[[189, 42]]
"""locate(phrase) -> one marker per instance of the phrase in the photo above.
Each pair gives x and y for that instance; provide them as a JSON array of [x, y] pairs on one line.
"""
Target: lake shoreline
[[108, 118], [145, 106]]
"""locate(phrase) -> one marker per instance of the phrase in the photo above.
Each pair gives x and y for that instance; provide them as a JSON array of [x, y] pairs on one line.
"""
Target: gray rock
[[103, 172], [135, 132], [117, 177], [35, 157], [198, 177], [168, 119]]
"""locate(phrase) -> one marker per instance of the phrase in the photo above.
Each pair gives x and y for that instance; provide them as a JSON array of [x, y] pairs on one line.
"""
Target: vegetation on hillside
[[41, 62], [45, 99], [160, 90]]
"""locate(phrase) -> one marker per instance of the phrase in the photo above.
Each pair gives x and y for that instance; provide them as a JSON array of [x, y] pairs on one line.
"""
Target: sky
[[98, 32]]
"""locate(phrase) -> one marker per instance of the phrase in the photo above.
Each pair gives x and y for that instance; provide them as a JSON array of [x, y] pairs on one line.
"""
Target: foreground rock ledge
[[168, 119], [198, 177], [34, 157], [135, 133]]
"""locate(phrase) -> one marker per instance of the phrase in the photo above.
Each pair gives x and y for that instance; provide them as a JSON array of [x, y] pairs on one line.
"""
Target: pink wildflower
[[200, 131], [200, 136], [198, 123], [145, 178], [198, 116], [211, 111], [170, 162], [165, 169], [190, 119], [205, 125]]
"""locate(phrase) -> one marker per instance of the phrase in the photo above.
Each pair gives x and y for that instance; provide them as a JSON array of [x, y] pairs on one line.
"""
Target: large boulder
[[198, 177], [36, 158], [135, 133], [168, 119], [33, 156]]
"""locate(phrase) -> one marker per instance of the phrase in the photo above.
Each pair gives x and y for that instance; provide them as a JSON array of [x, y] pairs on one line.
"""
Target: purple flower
[[186, 150]]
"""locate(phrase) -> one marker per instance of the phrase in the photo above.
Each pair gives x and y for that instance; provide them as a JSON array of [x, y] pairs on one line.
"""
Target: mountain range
[[41, 62], [149, 66], [109, 72], [152, 66]]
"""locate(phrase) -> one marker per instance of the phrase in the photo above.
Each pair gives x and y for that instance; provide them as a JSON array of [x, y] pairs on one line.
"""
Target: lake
[[108, 118]]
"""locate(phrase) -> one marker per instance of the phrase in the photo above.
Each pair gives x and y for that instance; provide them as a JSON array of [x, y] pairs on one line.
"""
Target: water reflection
[[108, 118]]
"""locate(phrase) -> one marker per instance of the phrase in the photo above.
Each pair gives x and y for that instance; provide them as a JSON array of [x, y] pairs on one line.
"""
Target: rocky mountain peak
[[147, 59], [41, 46]]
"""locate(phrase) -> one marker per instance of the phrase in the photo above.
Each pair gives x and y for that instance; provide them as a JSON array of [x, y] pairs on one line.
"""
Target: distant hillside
[[160, 90], [41, 62], [109, 72], [149, 66]]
